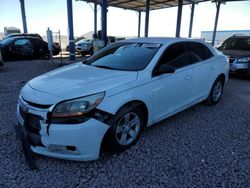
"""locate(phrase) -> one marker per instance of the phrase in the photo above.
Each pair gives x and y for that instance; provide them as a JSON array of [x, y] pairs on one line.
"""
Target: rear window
[[198, 52]]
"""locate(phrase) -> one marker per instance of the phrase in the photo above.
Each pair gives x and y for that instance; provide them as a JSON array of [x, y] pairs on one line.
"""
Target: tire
[[122, 135], [83, 53], [45, 55], [216, 92]]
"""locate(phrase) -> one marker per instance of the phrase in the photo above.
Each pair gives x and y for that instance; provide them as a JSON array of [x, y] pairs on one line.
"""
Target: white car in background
[[70, 112], [84, 47]]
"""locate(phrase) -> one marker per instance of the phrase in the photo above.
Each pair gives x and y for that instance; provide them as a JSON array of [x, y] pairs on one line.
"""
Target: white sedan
[[71, 112]]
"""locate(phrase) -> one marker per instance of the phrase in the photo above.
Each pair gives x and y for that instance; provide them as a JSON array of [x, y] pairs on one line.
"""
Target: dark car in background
[[23, 47], [56, 45], [237, 48], [57, 48]]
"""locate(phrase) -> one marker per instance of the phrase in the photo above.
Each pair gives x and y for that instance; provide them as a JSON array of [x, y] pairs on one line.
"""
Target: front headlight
[[77, 107], [244, 60]]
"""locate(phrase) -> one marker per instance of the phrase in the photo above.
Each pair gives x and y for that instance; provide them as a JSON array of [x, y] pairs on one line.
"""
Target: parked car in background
[[23, 47], [109, 98], [84, 47], [57, 48], [76, 40], [237, 48], [56, 45]]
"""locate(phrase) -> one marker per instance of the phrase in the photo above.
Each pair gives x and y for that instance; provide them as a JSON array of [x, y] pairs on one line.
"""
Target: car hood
[[80, 43], [236, 53], [77, 80]]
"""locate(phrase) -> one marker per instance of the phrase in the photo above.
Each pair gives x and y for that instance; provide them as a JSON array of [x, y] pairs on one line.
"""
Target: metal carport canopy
[[140, 5]]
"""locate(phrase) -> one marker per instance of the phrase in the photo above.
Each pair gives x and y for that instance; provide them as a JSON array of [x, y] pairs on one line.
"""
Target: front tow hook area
[[26, 147]]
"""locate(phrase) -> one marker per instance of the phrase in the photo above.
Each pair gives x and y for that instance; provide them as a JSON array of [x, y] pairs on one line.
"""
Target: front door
[[172, 91], [23, 48]]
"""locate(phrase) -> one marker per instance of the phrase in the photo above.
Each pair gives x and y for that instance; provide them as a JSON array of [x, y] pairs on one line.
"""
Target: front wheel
[[216, 92], [125, 129]]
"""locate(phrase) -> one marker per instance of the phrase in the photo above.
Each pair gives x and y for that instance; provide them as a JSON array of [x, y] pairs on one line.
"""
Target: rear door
[[37, 45], [172, 91], [203, 69]]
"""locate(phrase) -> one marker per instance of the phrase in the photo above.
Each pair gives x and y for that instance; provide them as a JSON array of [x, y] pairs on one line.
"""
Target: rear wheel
[[216, 92], [126, 128]]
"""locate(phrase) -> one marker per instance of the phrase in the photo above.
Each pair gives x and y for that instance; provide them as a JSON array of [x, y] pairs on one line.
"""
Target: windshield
[[241, 43], [124, 56]]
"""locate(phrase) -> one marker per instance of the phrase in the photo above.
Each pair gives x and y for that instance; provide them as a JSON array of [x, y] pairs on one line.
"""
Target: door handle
[[187, 77], [213, 67]]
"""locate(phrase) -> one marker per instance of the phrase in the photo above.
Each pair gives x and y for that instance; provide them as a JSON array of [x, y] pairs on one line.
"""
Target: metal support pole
[[139, 24], [95, 17], [216, 21], [147, 17], [71, 31], [60, 43], [104, 5], [23, 16], [179, 13], [191, 21]]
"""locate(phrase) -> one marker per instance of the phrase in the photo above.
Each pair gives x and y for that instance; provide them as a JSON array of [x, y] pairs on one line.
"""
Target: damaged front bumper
[[81, 142]]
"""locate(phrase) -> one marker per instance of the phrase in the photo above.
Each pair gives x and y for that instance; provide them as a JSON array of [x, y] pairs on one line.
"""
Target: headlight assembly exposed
[[77, 107], [244, 60]]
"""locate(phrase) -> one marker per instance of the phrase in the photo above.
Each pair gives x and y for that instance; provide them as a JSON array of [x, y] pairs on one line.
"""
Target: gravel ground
[[199, 147]]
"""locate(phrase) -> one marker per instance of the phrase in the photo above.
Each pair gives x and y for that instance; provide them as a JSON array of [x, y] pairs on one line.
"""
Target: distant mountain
[[88, 35]]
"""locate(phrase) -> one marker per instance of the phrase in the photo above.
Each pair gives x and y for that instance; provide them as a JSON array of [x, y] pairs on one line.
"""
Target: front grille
[[32, 123], [22, 113], [32, 126]]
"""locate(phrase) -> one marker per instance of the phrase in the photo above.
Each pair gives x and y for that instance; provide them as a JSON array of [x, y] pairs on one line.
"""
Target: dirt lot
[[199, 147]]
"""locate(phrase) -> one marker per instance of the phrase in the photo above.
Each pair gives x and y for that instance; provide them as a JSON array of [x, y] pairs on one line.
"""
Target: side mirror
[[164, 69]]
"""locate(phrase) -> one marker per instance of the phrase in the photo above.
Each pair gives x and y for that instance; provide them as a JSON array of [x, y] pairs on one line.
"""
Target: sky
[[41, 14]]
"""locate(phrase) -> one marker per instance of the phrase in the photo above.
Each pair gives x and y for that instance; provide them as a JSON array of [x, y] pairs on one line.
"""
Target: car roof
[[23, 34], [160, 40], [240, 36], [24, 37]]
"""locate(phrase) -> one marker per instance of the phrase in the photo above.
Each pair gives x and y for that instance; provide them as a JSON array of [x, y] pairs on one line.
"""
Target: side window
[[198, 52], [175, 55], [22, 42]]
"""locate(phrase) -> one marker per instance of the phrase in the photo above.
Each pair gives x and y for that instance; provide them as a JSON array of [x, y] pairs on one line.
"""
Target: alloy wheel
[[128, 128]]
